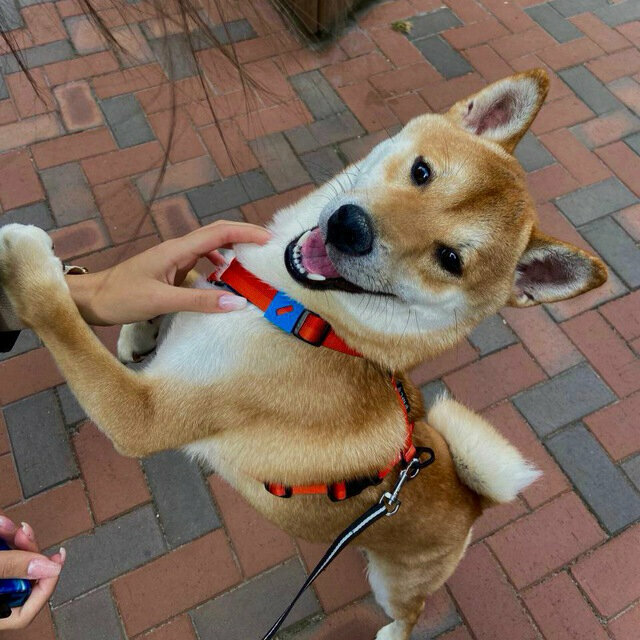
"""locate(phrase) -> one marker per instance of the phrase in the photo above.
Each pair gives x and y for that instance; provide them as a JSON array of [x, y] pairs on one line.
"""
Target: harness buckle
[[290, 316], [319, 338]]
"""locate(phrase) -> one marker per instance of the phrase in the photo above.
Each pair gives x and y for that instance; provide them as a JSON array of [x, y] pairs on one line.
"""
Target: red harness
[[309, 327]]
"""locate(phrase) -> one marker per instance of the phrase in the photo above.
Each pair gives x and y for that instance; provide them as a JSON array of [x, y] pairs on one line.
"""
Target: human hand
[[148, 285], [25, 562]]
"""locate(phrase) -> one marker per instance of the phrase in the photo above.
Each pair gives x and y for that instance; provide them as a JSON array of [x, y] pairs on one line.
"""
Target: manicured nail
[[63, 554], [7, 526], [41, 568], [231, 303], [28, 531]]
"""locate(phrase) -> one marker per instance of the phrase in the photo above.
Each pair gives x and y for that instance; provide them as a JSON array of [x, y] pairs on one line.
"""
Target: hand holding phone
[[27, 577], [13, 591]]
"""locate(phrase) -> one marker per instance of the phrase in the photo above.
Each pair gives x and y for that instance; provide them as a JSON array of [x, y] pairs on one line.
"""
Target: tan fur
[[297, 431]]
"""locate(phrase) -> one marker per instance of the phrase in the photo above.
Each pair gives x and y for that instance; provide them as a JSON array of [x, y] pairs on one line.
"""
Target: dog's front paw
[[138, 339], [30, 274]]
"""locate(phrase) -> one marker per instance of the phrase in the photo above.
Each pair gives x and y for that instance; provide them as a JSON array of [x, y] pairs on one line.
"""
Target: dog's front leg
[[140, 414]]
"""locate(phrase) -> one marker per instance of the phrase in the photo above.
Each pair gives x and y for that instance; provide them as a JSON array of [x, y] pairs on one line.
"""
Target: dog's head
[[433, 231]]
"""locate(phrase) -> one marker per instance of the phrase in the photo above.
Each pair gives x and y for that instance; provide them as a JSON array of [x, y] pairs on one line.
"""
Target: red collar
[[290, 316]]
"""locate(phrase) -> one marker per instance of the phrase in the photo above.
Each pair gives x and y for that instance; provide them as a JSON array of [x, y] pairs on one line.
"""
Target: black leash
[[388, 505]]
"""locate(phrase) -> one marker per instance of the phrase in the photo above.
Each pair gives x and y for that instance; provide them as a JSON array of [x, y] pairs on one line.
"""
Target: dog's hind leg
[[138, 339], [401, 583]]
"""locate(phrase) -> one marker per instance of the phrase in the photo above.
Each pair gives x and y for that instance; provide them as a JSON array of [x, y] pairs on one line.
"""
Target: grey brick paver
[[27, 340], [565, 398], [37, 56], [37, 214], [71, 410], [256, 184], [127, 121], [600, 482], [316, 92], [301, 139], [337, 128], [261, 601], [634, 142], [233, 31], [554, 23], [595, 201], [616, 14], [10, 17], [323, 164], [573, 7], [229, 214], [214, 198], [39, 441], [428, 24], [184, 503], [4, 91], [431, 391], [69, 194], [618, 248], [229, 193], [590, 90], [174, 54], [492, 334], [443, 56], [112, 549], [92, 617], [531, 153], [632, 469], [279, 162]]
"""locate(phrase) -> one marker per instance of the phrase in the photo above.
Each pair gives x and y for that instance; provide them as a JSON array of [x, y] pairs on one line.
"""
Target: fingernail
[[231, 303], [28, 531], [7, 526], [63, 555], [41, 568]]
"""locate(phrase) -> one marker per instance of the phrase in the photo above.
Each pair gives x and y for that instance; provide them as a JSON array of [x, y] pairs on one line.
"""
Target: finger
[[27, 565], [25, 539], [217, 258], [198, 300], [207, 239], [40, 594], [8, 529], [60, 557]]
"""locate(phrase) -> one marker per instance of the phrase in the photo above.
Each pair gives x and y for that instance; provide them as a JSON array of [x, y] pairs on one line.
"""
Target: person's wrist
[[85, 290]]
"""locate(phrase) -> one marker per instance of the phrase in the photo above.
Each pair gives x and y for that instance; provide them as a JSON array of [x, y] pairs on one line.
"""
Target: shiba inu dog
[[403, 253]]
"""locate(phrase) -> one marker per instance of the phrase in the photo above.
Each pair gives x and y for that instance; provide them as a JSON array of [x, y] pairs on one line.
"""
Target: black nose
[[350, 230]]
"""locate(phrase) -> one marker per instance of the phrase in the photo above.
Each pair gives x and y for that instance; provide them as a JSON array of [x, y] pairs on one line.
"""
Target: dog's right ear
[[504, 110]]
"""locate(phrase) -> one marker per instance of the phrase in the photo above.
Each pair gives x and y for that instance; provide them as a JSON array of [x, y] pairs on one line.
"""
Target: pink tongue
[[314, 256]]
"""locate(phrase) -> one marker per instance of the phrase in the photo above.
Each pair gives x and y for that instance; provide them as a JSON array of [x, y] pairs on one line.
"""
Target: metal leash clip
[[390, 499]]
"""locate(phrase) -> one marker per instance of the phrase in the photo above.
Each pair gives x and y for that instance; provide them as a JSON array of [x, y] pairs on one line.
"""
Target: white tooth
[[303, 237], [315, 276]]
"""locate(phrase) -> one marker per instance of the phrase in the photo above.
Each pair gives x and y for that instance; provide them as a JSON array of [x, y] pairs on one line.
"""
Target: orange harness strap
[[289, 315]]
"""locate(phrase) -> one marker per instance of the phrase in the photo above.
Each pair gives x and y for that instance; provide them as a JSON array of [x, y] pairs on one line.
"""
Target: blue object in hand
[[13, 591]]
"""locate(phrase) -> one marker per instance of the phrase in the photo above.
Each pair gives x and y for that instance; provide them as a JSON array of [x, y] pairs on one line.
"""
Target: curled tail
[[485, 461]]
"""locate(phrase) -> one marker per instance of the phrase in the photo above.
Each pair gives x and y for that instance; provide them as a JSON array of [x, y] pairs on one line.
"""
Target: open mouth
[[308, 263]]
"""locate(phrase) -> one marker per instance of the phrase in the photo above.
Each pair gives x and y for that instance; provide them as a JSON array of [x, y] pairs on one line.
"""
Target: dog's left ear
[[504, 110], [550, 270]]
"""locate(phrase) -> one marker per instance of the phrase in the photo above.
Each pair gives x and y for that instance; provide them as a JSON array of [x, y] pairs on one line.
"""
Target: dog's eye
[[420, 172], [449, 260]]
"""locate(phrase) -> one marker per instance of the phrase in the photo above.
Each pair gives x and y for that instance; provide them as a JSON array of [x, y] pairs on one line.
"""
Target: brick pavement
[[160, 552]]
